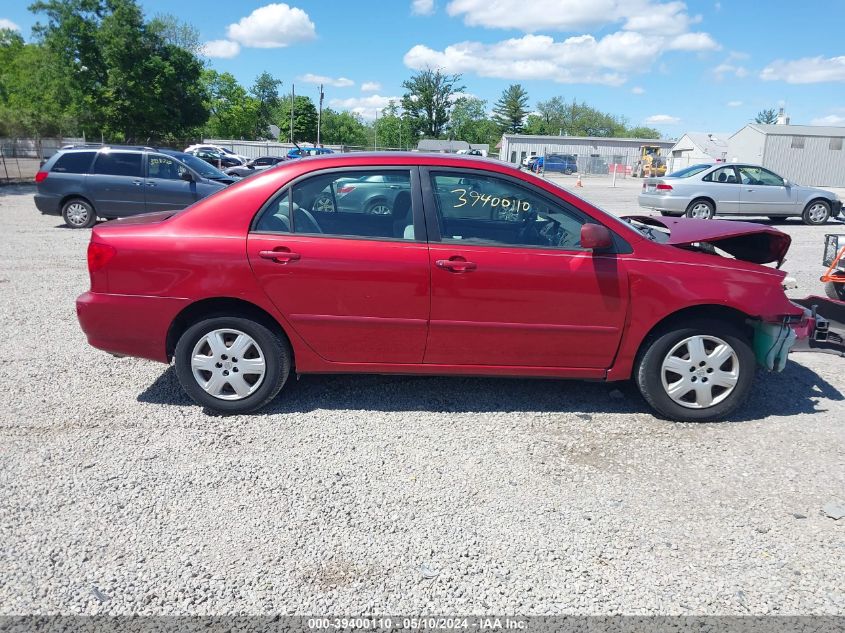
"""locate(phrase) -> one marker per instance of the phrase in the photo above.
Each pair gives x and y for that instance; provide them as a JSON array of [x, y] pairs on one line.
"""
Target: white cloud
[[808, 70], [734, 104], [370, 86], [366, 107], [339, 82], [223, 49], [729, 69], [830, 119], [8, 24], [422, 7], [647, 16], [662, 119], [638, 90], [693, 42], [273, 26]]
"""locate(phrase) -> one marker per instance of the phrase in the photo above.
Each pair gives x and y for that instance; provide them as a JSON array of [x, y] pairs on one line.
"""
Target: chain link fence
[[20, 158]]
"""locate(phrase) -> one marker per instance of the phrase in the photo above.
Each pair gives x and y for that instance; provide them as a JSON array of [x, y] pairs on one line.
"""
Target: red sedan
[[470, 267]]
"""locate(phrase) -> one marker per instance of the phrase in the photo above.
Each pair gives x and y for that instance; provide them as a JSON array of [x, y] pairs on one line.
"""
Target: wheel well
[[699, 312], [705, 198], [74, 196], [825, 200], [219, 306]]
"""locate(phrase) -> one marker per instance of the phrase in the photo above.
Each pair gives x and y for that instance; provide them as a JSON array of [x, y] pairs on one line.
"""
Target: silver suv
[[82, 183]]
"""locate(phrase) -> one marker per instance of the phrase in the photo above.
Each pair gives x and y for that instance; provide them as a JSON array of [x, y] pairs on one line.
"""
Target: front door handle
[[456, 265], [137, 183], [280, 256]]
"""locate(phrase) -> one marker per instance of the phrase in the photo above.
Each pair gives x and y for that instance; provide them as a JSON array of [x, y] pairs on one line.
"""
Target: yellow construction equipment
[[651, 163]]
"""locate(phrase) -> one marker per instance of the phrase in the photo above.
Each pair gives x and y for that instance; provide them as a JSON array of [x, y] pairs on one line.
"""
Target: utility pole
[[375, 132], [292, 95], [319, 115]]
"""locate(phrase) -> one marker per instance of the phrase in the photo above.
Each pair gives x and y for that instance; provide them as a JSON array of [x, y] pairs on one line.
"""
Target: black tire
[[835, 290], [777, 219], [811, 216], [273, 347], [78, 213], [702, 209], [567, 172], [671, 214], [649, 366]]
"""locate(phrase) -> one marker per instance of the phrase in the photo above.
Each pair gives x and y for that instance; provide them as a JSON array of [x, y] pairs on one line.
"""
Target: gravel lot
[[397, 495]]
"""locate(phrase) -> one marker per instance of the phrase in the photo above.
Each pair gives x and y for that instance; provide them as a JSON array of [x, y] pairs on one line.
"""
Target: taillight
[[664, 187], [41, 176], [99, 255], [346, 189]]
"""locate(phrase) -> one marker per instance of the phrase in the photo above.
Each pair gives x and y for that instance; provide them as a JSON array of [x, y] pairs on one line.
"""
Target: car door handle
[[456, 265], [137, 183], [280, 257], [151, 184]]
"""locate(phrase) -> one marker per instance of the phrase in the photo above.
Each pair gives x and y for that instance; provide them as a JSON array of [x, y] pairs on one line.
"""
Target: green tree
[[393, 129], [511, 109], [343, 128], [232, 112], [642, 131], [266, 91], [175, 32], [304, 118], [427, 101], [767, 117], [551, 117]]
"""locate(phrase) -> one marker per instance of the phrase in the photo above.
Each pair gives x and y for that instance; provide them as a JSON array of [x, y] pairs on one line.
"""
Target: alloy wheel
[[77, 214], [817, 213], [699, 372], [324, 203], [700, 211], [228, 364]]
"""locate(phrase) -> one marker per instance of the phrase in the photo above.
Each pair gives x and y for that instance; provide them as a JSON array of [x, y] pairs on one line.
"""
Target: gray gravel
[[396, 494]]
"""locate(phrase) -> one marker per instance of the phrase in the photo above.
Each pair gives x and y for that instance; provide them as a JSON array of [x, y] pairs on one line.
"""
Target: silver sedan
[[703, 191]]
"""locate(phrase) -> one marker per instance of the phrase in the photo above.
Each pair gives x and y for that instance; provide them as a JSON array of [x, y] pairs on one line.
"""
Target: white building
[[806, 154], [698, 147]]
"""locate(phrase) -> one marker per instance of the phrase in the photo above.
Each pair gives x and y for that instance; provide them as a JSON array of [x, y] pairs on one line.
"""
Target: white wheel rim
[[324, 203], [817, 213], [700, 372], [700, 211], [380, 209], [228, 364], [77, 214]]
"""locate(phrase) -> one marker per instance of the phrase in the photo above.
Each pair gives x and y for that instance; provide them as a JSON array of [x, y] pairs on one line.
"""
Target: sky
[[699, 65]]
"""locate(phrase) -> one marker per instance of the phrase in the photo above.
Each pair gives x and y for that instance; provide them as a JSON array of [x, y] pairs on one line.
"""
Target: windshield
[[201, 167], [692, 170]]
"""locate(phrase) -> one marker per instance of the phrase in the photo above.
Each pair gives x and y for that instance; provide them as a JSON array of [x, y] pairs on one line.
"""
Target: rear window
[[73, 163], [692, 170], [118, 164]]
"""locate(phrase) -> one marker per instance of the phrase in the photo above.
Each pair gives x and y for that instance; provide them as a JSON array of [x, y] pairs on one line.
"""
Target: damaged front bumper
[[820, 329]]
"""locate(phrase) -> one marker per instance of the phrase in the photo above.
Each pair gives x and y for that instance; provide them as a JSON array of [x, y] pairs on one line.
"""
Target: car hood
[[755, 243]]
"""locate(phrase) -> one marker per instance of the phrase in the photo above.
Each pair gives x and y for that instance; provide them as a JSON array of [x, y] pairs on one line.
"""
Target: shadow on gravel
[[794, 391]]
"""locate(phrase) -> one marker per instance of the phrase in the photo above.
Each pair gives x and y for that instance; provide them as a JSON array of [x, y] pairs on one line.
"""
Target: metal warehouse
[[619, 151], [806, 154]]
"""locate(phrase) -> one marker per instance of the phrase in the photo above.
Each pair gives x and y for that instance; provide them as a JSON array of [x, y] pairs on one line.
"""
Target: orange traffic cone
[[578, 182]]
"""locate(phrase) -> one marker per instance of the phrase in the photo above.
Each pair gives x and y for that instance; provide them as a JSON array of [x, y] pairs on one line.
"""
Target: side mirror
[[786, 183], [595, 236], [186, 175]]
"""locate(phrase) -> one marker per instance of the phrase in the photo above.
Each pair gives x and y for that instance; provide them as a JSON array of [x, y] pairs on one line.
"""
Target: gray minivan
[[84, 183]]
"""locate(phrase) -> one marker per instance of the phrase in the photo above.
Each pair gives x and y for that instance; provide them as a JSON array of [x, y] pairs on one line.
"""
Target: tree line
[[99, 68]]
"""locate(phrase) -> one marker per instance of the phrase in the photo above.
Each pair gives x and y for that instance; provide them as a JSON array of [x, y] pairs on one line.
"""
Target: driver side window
[[760, 176], [476, 208]]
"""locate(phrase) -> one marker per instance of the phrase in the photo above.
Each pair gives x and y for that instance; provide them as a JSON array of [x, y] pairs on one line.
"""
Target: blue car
[[301, 152], [564, 163]]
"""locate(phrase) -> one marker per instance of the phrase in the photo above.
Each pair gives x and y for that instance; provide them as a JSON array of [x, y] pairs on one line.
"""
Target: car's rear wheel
[[697, 372], [324, 202], [79, 214], [378, 207], [835, 290], [817, 212], [231, 364], [701, 210]]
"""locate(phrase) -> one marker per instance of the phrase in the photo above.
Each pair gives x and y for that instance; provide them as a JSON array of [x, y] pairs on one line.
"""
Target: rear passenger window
[[73, 163], [725, 175], [118, 164], [364, 204]]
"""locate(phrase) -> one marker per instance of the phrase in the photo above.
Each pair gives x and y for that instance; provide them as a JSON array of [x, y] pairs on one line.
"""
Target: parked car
[[302, 152], [217, 149], [216, 158], [370, 193], [479, 270], [528, 159], [564, 163], [83, 183], [706, 190], [255, 166]]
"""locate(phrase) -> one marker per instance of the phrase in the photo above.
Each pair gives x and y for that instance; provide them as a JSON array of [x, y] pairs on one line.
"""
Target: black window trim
[[420, 233], [620, 245]]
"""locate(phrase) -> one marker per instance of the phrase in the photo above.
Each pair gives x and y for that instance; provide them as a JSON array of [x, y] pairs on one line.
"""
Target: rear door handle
[[137, 183], [456, 265], [280, 257]]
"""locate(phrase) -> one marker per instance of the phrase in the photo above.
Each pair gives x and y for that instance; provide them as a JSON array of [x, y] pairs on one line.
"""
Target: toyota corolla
[[478, 269]]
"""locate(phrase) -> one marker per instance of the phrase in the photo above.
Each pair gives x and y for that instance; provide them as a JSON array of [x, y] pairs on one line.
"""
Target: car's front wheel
[[697, 372], [835, 290], [231, 364], [79, 214], [817, 212]]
